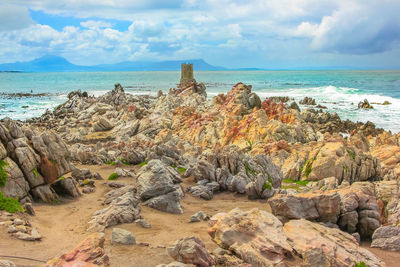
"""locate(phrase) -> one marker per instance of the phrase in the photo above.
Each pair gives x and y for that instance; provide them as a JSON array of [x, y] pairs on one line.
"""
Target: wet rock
[[90, 252], [365, 105], [122, 236], [308, 101], [191, 250]]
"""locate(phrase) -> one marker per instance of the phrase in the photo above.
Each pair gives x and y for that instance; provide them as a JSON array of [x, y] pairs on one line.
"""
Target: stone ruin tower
[[186, 74]]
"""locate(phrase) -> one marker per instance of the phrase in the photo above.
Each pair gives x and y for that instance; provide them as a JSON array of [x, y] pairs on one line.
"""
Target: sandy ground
[[64, 225]]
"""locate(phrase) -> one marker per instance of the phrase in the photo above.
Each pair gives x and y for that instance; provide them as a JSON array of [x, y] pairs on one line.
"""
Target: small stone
[[35, 234], [21, 228], [18, 222], [144, 244], [12, 229], [97, 176], [122, 236], [357, 237], [88, 190], [24, 236], [199, 216], [143, 223]]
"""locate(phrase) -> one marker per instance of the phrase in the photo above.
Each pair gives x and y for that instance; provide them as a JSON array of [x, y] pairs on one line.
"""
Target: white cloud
[[14, 17], [93, 24]]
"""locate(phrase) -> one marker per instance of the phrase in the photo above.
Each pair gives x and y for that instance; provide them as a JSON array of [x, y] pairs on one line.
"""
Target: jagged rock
[[44, 193], [169, 202], [323, 207], [255, 236], [124, 173], [66, 186], [102, 125], [365, 104], [328, 246], [191, 250], [387, 237], [81, 174], [16, 186], [199, 216], [123, 208], [308, 101], [143, 223], [122, 236], [90, 252]]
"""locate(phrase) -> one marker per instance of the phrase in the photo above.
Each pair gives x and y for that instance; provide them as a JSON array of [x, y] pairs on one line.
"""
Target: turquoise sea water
[[340, 91]]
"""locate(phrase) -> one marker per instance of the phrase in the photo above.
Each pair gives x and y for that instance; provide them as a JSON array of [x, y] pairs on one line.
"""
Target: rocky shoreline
[[327, 183]]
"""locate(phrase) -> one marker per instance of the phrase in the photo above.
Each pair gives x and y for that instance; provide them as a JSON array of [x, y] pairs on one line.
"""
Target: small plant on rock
[[9, 204], [113, 176], [3, 173], [360, 264], [143, 163]]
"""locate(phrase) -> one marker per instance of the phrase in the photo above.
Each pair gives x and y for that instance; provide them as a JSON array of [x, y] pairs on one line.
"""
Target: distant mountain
[[50, 63]]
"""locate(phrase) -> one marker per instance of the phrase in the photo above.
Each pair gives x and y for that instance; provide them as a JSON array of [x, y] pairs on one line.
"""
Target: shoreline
[[251, 167]]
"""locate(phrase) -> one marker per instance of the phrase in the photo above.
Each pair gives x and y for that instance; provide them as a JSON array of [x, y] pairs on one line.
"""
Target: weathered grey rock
[[122, 209], [81, 174], [169, 202], [387, 237], [199, 216], [44, 193], [143, 223], [191, 250], [102, 125], [155, 179], [122, 236], [124, 173], [66, 186], [16, 186], [201, 191]]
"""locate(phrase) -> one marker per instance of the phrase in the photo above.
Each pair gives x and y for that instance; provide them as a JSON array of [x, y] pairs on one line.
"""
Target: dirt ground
[[64, 225]]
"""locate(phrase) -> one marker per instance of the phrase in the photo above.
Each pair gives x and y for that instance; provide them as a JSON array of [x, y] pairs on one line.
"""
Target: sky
[[268, 34]]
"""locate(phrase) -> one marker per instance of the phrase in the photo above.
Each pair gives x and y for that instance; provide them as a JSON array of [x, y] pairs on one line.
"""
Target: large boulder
[[255, 236], [324, 207], [158, 187], [324, 246], [191, 250], [387, 237], [123, 208]]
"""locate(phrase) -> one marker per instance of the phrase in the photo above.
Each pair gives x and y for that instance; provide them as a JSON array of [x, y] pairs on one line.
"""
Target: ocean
[[340, 91]]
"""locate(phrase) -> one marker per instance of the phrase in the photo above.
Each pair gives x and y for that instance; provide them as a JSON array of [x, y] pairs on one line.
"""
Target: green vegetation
[[250, 144], [292, 186], [301, 170], [248, 170], [181, 169], [62, 178], [124, 161], [290, 181], [351, 154], [308, 166], [345, 168], [55, 201], [173, 166], [112, 163], [266, 185], [360, 264], [113, 176], [35, 173], [9, 204], [143, 163], [3, 173], [86, 181], [53, 162]]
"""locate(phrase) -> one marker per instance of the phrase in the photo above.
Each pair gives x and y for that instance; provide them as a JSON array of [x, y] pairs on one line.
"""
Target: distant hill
[[51, 63]]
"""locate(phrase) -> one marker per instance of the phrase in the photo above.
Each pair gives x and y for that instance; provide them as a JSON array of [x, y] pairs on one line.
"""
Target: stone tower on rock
[[186, 74]]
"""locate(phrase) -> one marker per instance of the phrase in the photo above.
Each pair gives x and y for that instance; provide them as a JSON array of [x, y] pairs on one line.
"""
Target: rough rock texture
[[158, 187], [353, 208], [122, 236], [32, 161], [255, 236], [123, 208], [324, 246], [191, 250], [90, 252], [387, 237]]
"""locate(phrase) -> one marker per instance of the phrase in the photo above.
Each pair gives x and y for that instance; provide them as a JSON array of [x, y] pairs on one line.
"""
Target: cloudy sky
[[241, 33]]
